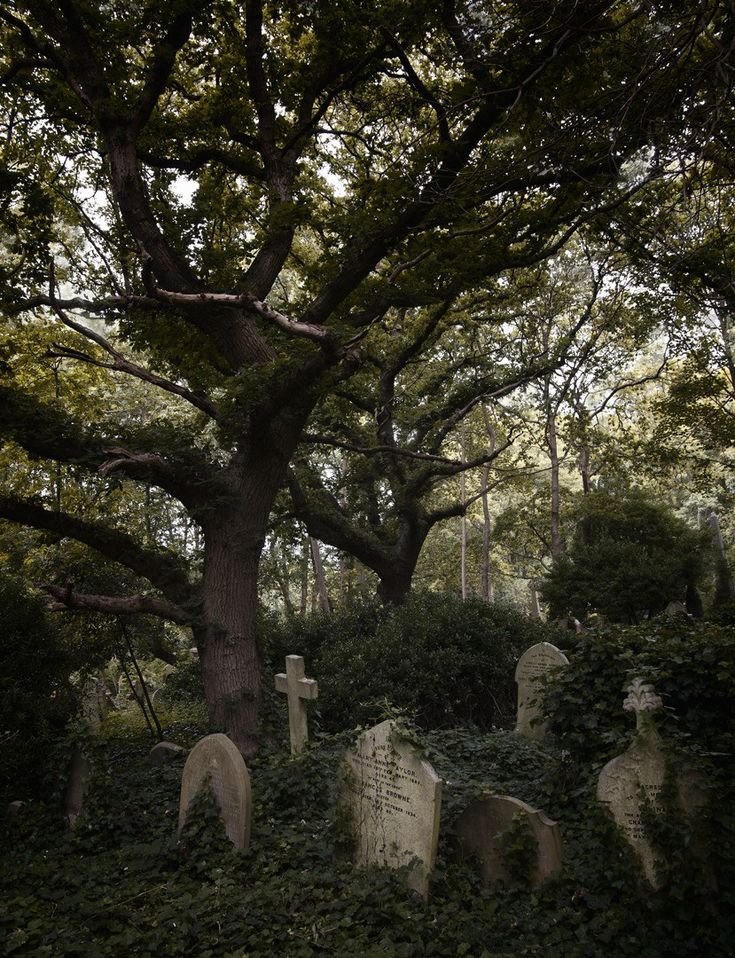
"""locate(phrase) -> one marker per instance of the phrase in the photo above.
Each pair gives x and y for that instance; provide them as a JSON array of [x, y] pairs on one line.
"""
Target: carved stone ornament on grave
[[390, 800], [535, 663], [630, 785], [216, 760], [485, 827]]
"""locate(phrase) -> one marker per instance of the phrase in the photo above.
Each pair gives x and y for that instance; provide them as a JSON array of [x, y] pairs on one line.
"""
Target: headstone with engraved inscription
[[535, 663], [630, 785], [390, 802], [216, 763]]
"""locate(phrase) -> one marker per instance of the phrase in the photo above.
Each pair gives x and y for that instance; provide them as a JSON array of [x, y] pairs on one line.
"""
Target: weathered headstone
[[630, 785], [96, 702], [299, 691], [487, 827], [535, 663], [164, 752], [216, 762], [675, 607], [390, 803], [77, 786]]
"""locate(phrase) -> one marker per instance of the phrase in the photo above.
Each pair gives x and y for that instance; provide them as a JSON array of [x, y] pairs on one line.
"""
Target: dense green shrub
[[444, 660], [629, 557], [36, 698]]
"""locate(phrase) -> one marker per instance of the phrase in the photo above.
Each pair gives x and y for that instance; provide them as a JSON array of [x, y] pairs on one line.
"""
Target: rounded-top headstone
[[216, 760], [485, 826], [535, 663]]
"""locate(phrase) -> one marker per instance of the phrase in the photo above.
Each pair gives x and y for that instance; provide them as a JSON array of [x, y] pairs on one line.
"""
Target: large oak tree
[[346, 161]]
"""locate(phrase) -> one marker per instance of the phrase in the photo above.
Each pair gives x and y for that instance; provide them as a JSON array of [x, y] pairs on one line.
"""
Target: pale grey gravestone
[[675, 608], [216, 762], [390, 800], [486, 828], [535, 663], [630, 785], [95, 702], [77, 786], [164, 752], [299, 690]]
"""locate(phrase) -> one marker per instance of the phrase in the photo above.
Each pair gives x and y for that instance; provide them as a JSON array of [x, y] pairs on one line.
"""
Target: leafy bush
[[443, 660], [629, 558], [36, 698]]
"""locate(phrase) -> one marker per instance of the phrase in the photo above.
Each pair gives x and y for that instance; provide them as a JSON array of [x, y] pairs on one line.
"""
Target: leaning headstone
[[77, 786], [535, 663], [675, 608], [630, 785], [164, 752], [215, 762], [14, 808], [487, 828], [299, 690], [390, 803]]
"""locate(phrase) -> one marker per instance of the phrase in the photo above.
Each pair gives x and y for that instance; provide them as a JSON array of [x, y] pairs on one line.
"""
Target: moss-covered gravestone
[[535, 663], [215, 762], [390, 800], [632, 786], [509, 839]]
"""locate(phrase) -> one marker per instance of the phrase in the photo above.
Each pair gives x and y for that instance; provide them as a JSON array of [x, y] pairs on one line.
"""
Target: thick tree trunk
[[394, 586], [226, 638]]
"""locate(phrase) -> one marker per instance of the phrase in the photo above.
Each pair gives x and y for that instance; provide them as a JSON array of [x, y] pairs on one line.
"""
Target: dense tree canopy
[[229, 205]]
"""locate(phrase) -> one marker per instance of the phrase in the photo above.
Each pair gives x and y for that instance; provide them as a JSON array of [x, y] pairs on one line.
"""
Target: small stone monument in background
[[390, 800], [486, 828], [535, 663], [77, 786], [215, 762], [299, 691]]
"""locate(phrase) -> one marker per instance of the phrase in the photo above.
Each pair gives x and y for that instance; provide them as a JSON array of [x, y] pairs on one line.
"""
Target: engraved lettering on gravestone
[[216, 760], [391, 799], [535, 663], [299, 690], [630, 785]]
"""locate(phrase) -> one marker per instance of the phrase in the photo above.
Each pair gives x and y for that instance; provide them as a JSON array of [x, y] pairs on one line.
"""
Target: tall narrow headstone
[[485, 830], [77, 786], [390, 803], [299, 690], [630, 785], [535, 663], [215, 762]]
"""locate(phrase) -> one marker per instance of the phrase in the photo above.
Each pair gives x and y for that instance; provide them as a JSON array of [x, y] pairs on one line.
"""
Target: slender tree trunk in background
[[486, 586], [319, 577], [557, 542], [463, 528], [584, 469], [534, 607], [57, 388], [304, 569], [724, 591]]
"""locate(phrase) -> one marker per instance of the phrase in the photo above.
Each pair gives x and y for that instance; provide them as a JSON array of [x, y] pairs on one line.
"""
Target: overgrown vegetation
[[445, 660], [120, 883]]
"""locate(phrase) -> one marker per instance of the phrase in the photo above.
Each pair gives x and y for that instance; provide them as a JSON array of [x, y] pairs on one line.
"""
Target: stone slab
[[535, 663], [391, 800], [486, 826], [216, 760]]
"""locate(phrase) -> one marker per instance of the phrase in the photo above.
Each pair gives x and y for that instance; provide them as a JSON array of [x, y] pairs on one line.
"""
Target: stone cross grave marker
[[216, 760], [533, 665], [486, 827], [299, 691], [391, 799], [630, 785]]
